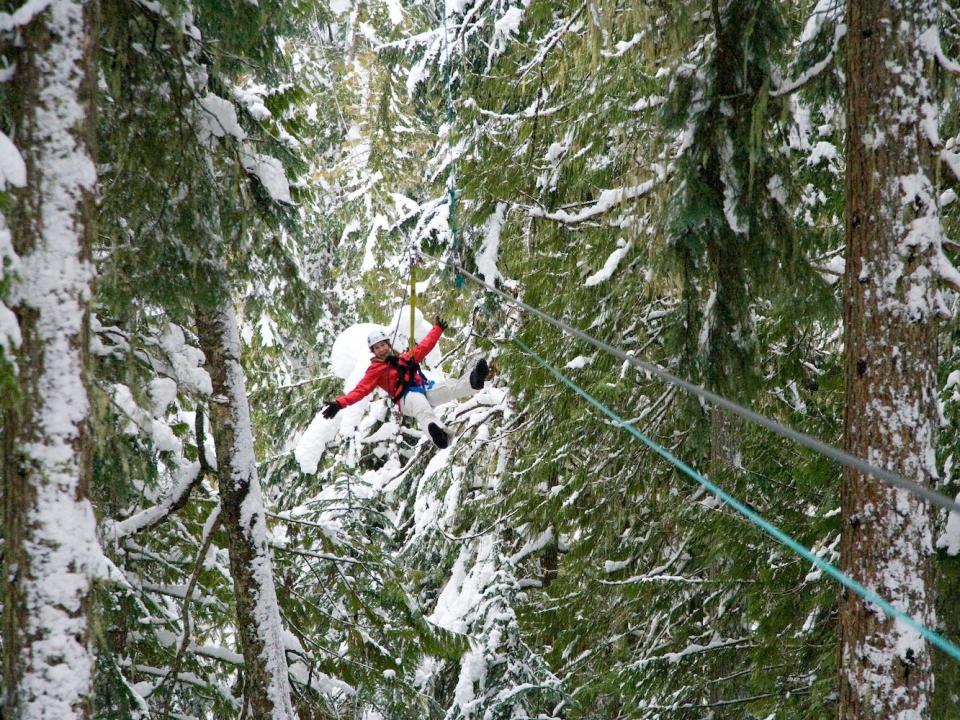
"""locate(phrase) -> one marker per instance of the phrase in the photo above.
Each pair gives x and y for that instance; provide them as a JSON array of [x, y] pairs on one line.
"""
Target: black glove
[[440, 321], [332, 408]]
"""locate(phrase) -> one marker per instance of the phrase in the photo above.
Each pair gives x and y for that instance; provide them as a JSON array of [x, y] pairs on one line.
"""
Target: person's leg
[[469, 384], [417, 406], [449, 390]]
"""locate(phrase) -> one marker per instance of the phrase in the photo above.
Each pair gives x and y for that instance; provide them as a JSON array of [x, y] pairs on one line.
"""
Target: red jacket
[[381, 374]]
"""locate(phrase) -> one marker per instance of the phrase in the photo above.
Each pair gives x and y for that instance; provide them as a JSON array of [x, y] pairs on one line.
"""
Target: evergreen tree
[[51, 554], [266, 688], [666, 176], [892, 306]]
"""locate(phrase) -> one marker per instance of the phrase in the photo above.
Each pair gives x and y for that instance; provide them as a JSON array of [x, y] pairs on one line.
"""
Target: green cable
[[775, 532]]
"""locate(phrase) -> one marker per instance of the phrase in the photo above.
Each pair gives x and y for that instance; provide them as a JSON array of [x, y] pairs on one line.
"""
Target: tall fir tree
[[51, 553], [892, 309]]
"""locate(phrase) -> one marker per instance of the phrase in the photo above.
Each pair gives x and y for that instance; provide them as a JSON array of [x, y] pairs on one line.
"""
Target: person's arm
[[424, 347], [366, 386]]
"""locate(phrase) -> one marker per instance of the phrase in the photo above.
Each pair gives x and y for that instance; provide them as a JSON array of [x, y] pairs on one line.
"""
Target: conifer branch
[[473, 536], [816, 69], [544, 51], [321, 556], [174, 671], [731, 702], [949, 281], [186, 679], [176, 500]]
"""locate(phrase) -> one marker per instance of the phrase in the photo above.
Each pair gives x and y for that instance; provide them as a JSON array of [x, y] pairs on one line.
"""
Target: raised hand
[[332, 408]]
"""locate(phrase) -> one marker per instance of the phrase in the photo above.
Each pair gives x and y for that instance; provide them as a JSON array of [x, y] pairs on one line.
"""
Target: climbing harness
[[422, 389], [411, 376]]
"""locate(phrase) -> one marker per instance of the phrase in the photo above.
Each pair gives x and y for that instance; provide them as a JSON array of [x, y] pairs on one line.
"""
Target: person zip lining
[[399, 374]]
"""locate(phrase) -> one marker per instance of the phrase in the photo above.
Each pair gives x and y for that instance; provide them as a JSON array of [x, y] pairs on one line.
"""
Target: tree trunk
[[51, 551], [258, 614], [726, 431], [891, 306], [731, 351]]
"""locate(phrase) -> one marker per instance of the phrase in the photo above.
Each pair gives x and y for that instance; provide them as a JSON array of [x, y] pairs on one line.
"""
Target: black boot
[[438, 435], [479, 374]]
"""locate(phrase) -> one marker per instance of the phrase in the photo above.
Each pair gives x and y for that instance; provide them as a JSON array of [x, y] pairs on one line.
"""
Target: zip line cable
[[772, 530], [808, 441]]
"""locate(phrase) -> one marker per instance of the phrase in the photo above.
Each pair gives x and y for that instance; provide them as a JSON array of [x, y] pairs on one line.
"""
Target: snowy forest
[[210, 208]]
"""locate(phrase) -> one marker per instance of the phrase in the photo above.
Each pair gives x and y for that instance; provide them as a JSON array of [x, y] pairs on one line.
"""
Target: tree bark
[[242, 518], [51, 552], [891, 306]]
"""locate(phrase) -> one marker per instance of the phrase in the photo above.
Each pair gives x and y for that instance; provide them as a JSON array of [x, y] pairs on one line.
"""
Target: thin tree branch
[[213, 523]]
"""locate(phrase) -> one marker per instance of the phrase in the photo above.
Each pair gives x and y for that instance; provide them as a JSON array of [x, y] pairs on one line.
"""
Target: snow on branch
[[530, 111], [189, 476], [189, 678], [693, 649], [23, 15], [269, 171], [930, 43], [946, 271], [611, 264], [461, 33], [504, 28], [13, 170], [549, 42], [10, 335], [950, 539], [839, 32], [533, 545], [209, 527], [952, 161], [625, 46], [424, 38], [608, 199]]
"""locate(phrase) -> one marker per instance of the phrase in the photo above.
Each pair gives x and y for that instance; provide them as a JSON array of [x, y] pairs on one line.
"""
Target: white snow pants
[[420, 406]]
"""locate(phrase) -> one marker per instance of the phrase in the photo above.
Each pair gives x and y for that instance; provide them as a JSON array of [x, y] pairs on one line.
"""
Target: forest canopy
[[210, 208]]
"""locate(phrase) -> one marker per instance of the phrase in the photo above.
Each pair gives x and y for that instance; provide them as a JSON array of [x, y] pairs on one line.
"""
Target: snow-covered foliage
[[676, 187], [668, 176]]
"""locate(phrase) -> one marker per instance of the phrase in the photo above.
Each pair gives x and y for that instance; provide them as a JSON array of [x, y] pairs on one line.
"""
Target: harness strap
[[411, 376]]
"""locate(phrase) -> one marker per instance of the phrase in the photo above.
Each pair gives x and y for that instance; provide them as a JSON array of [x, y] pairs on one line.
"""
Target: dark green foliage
[[642, 564], [607, 584]]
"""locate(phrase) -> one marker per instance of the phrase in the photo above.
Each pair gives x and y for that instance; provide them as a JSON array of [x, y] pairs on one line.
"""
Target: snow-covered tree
[[892, 309], [51, 554], [667, 176]]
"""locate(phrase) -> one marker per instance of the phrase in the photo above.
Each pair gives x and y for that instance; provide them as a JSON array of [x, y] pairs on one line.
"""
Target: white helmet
[[375, 336]]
